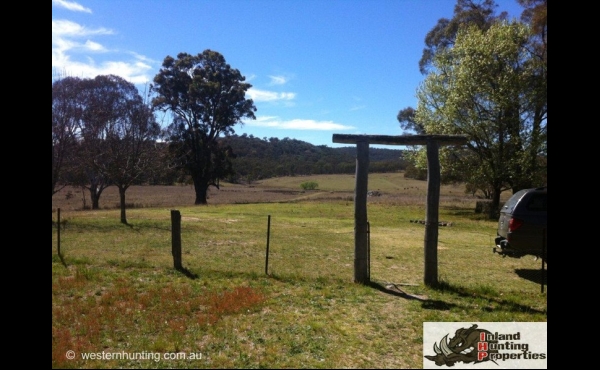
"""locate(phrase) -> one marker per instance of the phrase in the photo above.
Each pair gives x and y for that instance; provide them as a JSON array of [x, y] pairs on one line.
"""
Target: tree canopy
[[119, 130], [479, 13], [103, 134], [207, 99], [485, 78], [490, 87], [66, 115]]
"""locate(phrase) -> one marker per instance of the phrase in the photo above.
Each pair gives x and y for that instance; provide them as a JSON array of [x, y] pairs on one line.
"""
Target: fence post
[[58, 231], [176, 238], [368, 251], [268, 237]]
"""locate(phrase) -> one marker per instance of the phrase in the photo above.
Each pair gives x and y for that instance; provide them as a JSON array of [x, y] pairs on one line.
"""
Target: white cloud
[[358, 107], [72, 51], [71, 5], [93, 46], [66, 28], [270, 96], [130, 71], [278, 80], [296, 124]]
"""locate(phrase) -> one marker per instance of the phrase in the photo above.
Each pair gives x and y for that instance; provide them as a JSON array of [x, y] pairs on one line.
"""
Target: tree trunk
[[122, 190], [95, 195], [495, 206], [83, 197], [201, 188]]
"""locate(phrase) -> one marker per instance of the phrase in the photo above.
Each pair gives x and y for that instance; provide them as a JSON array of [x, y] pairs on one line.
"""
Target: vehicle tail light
[[514, 224]]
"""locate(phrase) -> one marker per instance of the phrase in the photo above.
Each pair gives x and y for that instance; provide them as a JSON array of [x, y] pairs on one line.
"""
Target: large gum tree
[[491, 87], [207, 98]]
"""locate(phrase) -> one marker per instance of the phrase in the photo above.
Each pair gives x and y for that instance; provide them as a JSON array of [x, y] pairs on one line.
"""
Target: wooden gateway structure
[[361, 268]]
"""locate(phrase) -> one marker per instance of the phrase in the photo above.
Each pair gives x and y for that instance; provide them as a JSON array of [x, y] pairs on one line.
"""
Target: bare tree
[[119, 133], [67, 110]]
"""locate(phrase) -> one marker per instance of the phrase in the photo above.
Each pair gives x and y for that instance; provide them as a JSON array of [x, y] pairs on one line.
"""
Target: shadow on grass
[[535, 275], [437, 305], [488, 295], [187, 273], [62, 259]]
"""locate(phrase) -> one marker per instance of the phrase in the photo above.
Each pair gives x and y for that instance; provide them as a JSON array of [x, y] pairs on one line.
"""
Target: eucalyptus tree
[[206, 97], [478, 13], [535, 13]]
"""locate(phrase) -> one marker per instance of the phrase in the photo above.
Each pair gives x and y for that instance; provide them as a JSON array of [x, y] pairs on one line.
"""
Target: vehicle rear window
[[510, 204]]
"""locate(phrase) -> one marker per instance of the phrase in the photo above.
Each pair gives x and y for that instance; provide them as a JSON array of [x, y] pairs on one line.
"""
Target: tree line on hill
[[257, 158]]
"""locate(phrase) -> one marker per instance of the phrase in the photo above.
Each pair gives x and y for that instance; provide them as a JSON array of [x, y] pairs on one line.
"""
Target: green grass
[[119, 292]]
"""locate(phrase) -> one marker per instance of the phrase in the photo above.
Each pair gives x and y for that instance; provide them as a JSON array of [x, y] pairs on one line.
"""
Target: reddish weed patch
[[238, 300], [89, 319]]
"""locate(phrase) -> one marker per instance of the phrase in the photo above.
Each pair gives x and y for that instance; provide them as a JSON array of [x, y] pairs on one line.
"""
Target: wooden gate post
[[361, 271], [431, 221]]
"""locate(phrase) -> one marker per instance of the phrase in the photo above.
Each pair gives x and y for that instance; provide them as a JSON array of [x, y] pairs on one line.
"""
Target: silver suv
[[522, 227]]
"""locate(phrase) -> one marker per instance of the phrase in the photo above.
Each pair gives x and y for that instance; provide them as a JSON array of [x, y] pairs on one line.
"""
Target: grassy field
[[117, 291]]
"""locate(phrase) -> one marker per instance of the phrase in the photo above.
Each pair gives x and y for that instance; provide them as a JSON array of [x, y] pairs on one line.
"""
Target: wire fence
[[321, 248]]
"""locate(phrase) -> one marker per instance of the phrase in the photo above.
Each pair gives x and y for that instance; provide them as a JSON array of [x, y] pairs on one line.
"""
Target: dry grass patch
[[120, 293]]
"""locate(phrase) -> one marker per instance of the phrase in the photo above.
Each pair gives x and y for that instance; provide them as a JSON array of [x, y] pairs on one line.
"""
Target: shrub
[[309, 185]]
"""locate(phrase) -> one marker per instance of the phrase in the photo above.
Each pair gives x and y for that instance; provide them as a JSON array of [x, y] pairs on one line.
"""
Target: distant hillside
[[265, 158]]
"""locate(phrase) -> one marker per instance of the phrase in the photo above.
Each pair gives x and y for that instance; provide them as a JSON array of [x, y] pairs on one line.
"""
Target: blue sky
[[317, 67]]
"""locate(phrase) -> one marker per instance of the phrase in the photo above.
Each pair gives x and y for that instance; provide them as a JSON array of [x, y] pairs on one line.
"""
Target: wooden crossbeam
[[361, 258], [400, 139]]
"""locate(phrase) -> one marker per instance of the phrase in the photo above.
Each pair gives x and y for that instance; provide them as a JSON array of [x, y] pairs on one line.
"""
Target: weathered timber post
[[58, 239], [268, 237], [431, 221], [58, 232], [361, 272], [176, 239]]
